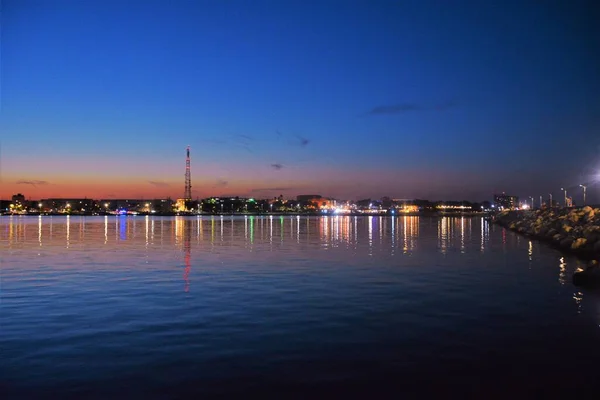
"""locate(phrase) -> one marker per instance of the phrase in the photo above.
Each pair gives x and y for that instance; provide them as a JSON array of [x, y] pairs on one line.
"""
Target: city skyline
[[432, 101]]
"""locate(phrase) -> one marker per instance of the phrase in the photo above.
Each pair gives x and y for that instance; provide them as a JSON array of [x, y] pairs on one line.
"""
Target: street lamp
[[584, 187], [550, 199], [565, 195], [531, 197], [40, 206], [541, 201]]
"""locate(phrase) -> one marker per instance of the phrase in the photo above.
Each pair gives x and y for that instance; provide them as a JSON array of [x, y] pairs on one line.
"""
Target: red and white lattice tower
[[188, 176]]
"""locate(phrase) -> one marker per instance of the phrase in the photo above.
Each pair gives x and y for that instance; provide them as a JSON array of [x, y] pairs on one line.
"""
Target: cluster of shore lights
[[373, 211], [454, 207], [408, 209]]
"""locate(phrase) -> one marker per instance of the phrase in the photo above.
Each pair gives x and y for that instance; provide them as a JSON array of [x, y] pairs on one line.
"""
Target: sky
[[451, 100]]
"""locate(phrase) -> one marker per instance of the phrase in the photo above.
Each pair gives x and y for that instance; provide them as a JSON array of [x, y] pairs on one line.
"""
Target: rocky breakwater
[[572, 230]]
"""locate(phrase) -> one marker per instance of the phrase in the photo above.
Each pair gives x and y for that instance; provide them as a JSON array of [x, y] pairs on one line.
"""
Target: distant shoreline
[[275, 214]]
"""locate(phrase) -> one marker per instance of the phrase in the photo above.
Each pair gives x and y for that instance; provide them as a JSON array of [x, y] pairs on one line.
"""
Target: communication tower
[[188, 177]]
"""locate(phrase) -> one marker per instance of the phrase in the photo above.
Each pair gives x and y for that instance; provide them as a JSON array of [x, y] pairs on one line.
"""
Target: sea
[[113, 307]]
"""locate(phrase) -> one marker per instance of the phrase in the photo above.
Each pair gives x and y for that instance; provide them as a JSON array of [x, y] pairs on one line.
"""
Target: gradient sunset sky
[[348, 99]]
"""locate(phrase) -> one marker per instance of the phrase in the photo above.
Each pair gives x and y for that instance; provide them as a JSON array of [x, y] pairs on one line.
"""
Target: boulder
[[566, 243], [578, 243], [590, 277], [592, 237], [543, 231]]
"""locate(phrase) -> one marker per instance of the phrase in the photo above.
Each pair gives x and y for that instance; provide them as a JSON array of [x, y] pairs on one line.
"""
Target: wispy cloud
[[302, 141], [33, 183], [158, 184], [275, 189], [296, 140], [245, 137], [408, 107], [277, 166], [221, 183]]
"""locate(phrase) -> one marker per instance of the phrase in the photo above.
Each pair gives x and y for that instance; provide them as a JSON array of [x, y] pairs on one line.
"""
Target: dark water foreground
[[128, 307]]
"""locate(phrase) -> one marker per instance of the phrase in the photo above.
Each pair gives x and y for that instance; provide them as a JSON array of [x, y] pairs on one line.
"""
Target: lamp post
[[565, 195], [541, 201], [584, 187], [531, 197], [40, 206], [550, 199]]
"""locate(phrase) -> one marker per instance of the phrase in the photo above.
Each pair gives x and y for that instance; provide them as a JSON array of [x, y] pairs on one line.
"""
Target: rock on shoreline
[[572, 230]]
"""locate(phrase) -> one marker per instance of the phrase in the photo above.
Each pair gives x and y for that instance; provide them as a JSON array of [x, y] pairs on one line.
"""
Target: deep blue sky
[[436, 99]]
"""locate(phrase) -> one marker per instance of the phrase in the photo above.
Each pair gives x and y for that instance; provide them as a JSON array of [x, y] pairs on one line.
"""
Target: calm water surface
[[187, 306]]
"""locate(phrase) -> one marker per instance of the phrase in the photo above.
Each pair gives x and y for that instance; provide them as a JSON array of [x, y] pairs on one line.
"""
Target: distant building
[[69, 205], [4, 206], [18, 198], [318, 200], [505, 201], [308, 197]]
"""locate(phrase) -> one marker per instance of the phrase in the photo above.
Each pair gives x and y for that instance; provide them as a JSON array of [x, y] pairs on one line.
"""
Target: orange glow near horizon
[[242, 181]]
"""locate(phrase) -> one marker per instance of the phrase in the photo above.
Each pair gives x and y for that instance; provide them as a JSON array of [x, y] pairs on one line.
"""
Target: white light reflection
[[105, 229], [578, 297], [462, 235], [370, 235], [443, 234], [562, 270], [483, 227], [381, 221], [271, 230], [40, 230], [405, 234], [393, 234], [530, 251], [200, 230], [297, 229], [68, 230], [147, 232]]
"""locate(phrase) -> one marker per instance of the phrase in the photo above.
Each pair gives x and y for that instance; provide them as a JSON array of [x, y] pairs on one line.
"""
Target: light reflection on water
[[285, 285]]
